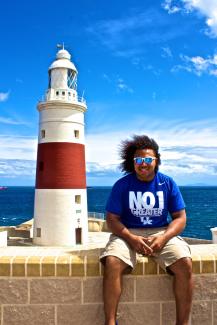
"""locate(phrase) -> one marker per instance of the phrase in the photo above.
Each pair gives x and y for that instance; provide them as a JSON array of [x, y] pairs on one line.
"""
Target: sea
[[17, 204]]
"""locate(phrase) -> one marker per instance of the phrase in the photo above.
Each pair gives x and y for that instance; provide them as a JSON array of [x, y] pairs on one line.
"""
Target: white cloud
[[4, 96], [198, 65], [119, 83], [12, 168], [166, 52], [171, 7], [106, 77], [206, 8], [12, 121], [190, 160], [18, 147], [189, 150], [140, 27], [185, 150], [123, 87]]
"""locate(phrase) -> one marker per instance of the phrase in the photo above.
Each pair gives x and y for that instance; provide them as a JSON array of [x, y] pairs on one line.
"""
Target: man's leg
[[183, 288], [112, 283]]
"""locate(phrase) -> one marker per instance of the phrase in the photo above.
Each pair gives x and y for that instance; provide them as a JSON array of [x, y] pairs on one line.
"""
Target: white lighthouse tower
[[60, 211]]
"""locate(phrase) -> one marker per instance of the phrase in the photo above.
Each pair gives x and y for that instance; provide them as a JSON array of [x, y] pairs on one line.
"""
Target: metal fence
[[96, 215]]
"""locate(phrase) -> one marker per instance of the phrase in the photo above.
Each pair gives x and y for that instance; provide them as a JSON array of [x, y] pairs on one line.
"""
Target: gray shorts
[[175, 249]]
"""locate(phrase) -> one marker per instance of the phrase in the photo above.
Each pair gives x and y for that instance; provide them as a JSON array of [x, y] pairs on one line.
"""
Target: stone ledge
[[84, 263]]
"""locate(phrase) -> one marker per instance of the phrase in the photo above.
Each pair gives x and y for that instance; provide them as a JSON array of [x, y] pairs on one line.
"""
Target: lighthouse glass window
[[42, 134], [49, 80], [78, 199], [38, 232], [71, 79], [76, 133]]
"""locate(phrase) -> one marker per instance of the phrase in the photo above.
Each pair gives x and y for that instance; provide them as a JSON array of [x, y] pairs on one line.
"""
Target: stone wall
[[67, 290]]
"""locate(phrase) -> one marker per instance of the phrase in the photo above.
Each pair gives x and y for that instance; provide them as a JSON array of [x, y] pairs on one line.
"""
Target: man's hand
[[156, 243], [140, 244]]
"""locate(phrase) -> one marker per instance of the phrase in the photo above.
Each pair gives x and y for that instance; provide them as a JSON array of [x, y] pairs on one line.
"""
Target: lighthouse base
[[60, 217]]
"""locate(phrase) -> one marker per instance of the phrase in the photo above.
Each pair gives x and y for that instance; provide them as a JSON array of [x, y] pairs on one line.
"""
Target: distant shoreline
[[109, 186]]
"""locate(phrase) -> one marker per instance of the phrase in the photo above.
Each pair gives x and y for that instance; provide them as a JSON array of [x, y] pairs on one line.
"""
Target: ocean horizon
[[17, 204]]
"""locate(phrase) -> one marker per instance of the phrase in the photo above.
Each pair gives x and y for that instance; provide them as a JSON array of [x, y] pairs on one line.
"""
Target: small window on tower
[[78, 199], [42, 134], [38, 232], [57, 93], [76, 133], [63, 93], [41, 165], [78, 235], [49, 81]]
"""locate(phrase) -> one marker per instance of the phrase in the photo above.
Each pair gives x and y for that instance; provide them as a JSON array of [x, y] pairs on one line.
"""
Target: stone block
[[150, 266], [33, 266], [77, 266], [140, 265], [55, 291], [80, 314], [48, 266], [5, 266], [139, 268], [201, 313], [168, 313], [18, 266], [93, 266], [139, 314], [196, 265], [214, 312], [154, 288], [92, 290], [25, 315], [208, 264], [128, 289], [205, 287], [13, 291], [63, 265]]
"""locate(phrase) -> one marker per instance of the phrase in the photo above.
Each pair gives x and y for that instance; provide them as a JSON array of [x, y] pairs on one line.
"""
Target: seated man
[[137, 215]]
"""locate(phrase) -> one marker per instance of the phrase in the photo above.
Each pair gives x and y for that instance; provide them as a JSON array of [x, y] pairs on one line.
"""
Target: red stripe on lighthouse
[[60, 165]]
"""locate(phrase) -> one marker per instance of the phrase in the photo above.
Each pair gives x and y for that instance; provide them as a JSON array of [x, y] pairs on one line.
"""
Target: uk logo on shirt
[[146, 205]]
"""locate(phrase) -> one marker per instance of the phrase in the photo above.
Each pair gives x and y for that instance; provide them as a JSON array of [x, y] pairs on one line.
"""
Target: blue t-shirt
[[145, 204]]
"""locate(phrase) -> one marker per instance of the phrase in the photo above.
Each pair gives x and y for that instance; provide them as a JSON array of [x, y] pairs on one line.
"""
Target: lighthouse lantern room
[[60, 209]]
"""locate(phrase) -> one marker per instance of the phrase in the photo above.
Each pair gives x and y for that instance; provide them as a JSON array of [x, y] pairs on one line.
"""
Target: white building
[[60, 210]]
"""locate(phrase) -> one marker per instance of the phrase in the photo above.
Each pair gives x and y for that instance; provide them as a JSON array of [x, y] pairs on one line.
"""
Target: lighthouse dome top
[[63, 61], [63, 54]]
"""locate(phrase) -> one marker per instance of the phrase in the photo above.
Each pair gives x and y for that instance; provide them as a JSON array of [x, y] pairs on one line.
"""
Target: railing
[[96, 215], [81, 100], [77, 99]]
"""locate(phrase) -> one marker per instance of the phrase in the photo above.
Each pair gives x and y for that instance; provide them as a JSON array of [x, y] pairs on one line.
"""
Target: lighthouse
[[60, 208]]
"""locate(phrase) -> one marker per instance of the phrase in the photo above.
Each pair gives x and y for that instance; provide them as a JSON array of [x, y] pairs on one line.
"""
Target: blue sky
[[145, 67]]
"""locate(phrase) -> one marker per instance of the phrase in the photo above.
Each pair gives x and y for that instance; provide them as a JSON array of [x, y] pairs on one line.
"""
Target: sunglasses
[[146, 160]]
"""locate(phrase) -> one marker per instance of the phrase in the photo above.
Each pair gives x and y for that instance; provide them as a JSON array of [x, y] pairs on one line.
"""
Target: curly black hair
[[129, 147]]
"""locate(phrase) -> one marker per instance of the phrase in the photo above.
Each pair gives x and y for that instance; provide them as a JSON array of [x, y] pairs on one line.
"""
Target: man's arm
[[136, 242], [176, 226]]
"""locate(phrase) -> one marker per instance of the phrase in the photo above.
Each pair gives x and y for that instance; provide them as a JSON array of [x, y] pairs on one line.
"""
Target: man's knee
[[182, 267], [114, 263]]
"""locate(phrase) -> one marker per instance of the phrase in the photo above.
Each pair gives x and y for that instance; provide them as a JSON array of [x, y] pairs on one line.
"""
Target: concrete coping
[[27, 260], [66, 262]]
